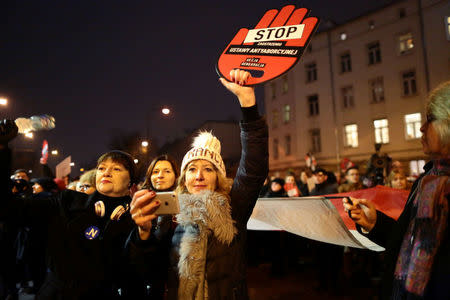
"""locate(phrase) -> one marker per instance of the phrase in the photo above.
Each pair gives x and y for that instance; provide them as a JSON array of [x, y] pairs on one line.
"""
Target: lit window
[[343, 36], [346, 63], [311, 72], [274, 118], [405, 43], [416, 167], [412, 126], [409, 83], [313, 103], [275, 149], [287, 113], [287, 145], [447, 27], [381, 131], [374, 53], [315, 140], [347, 96], [285, 84], [274, 90], [376, 90], [351, 135]]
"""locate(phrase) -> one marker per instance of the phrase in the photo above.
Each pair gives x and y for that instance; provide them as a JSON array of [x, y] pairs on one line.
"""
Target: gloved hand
[[8, 131]]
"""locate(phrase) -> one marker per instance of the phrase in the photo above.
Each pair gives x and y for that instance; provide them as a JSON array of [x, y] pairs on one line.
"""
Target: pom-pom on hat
[[205, 146]]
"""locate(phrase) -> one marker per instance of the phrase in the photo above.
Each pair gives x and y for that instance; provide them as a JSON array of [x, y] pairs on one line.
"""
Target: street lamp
[[3, 101], [165, 111], [144, 144], [55, 152]]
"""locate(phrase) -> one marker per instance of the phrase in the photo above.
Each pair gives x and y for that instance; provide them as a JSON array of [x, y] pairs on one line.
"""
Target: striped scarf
[[425, 231]]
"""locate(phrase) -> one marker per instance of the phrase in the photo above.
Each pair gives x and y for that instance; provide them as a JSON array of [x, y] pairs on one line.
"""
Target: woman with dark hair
[[86, 234], [417, 244], [162, 174]]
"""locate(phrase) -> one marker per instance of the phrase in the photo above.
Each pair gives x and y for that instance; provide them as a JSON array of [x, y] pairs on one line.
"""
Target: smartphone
[[169, 203]]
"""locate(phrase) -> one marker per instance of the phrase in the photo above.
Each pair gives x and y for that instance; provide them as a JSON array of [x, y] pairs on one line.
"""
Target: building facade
[[358, 84]]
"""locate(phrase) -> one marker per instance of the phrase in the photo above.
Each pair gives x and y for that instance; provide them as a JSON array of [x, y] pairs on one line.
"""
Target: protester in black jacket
[[324, 183], [207, 255], [276, 189], [86, 234]]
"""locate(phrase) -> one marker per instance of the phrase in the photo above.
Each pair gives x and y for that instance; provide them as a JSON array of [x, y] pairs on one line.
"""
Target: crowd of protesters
[[99, 237]]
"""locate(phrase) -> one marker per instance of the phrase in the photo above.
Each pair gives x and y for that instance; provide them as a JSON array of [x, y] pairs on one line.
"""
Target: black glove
[[8, 131]]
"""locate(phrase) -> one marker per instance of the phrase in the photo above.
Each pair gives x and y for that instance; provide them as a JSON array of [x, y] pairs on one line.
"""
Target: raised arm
[[253, 165]]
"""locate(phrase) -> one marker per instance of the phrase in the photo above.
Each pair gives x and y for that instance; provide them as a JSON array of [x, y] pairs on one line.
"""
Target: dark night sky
[[100, 65]]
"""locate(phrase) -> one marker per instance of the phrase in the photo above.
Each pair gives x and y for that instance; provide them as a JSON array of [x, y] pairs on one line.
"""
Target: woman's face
[[399, 182], [37, 188], [200, 175], [112, 179], [163, 176], [431, 143], [85, 187], [290, 179], [275, 187]]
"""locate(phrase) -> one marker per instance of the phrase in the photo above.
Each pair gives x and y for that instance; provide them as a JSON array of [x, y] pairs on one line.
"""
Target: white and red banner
[[324, 219]]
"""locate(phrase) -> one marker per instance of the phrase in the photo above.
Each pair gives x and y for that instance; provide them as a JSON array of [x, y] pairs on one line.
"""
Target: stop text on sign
[[274, 33]]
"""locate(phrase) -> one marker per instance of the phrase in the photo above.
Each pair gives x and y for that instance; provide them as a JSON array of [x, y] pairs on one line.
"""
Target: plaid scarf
[[425, 231]]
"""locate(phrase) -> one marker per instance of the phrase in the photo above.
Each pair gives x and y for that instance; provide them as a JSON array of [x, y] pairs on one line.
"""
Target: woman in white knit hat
[[207, 249]]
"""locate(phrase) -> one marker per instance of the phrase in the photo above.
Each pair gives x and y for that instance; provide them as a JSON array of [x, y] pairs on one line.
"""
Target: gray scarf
[[201, 215]]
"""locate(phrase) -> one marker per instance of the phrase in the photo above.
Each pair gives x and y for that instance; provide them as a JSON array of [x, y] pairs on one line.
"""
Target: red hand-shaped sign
[[272, 48]]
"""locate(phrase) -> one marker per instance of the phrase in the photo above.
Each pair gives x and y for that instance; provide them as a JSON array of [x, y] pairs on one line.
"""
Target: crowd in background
[[202, 253]]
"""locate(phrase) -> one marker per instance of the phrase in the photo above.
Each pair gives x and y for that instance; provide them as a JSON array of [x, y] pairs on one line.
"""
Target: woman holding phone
[[208, 246], [84, 234]]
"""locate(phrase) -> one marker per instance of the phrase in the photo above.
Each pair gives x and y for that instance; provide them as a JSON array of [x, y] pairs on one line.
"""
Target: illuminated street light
[[29, 135], [72, 164], [3, 101], [144, 144], [165, 111], [55, 152], [81, 169], [136, 160]]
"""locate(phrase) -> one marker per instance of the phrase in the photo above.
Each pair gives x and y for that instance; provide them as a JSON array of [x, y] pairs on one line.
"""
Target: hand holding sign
[[245, 95], [272, 48]]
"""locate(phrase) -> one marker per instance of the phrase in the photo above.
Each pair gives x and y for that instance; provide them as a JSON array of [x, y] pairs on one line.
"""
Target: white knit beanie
[[205, 146]]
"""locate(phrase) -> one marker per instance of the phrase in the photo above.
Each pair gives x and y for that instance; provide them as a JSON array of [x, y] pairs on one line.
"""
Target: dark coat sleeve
[[252, 170], [150, 259]]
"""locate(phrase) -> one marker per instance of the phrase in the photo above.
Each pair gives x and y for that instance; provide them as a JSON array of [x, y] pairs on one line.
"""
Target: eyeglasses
[[85, 186], [430, 118]]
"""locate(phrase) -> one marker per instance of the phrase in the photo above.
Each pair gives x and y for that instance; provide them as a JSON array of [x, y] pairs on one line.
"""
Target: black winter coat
[[226, 265], [87, 257]]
